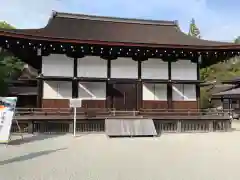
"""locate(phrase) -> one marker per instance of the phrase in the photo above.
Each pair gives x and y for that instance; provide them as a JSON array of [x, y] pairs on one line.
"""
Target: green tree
[[9, 64], [204, 100], [193, 29], [4, 25], [237, 40]]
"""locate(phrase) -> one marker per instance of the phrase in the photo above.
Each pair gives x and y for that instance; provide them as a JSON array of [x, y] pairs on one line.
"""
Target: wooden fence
[[22, 113], [169, 126]]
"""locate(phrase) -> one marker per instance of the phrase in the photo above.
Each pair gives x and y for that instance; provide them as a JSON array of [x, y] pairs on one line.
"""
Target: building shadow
[[33, 138], [29, 156]]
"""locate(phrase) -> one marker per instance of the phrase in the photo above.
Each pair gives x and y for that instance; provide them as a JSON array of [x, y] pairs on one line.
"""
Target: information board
[[7, 110], [75, 103]]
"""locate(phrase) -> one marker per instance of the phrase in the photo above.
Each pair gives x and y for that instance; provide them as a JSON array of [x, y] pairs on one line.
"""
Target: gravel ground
[[203, 156]]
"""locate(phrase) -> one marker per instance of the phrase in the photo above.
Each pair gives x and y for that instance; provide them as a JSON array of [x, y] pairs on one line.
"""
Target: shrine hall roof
[[77, 28], [231, 92]]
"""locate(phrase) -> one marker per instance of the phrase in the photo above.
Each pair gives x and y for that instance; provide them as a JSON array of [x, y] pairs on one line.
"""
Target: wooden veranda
[[34, 120]]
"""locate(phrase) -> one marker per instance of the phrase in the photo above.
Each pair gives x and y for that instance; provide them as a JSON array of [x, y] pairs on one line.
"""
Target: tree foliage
[[204, 100], [237, 40], [193, 29], [4, 25], [10, 65], [226, 70]]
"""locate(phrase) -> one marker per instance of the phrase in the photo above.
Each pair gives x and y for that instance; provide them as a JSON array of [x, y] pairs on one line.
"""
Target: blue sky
[[216, 19]]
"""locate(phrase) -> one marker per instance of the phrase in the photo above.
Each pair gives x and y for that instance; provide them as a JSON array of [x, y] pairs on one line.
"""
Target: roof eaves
[[207, 42], [37, 35]]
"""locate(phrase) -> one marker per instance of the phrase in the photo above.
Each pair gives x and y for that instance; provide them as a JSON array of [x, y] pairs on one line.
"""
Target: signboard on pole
[[75, 103], [7, 110]]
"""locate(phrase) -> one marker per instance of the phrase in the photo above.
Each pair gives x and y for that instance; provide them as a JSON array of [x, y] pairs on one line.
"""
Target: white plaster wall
[[92, 66], [57, 65], [154, 69], [184, 70], [57, 90], [184, 92], [154, 92], [124, 68], [92, 90], [50, 90]]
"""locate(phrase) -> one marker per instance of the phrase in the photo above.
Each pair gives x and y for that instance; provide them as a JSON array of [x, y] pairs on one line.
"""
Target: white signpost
[[7, 110], [75, 103]]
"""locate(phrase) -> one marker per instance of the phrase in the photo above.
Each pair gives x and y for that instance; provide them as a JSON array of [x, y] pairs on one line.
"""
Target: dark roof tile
[[122, 30]]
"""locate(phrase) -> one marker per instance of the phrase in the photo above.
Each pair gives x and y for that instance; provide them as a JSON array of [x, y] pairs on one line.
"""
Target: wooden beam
[[155, 81], [55, 78], [186, 82]]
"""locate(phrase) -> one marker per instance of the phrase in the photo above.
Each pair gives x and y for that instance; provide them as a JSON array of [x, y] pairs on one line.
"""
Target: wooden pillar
[[108, 102], [222, 103], [39, 83], [139, 69], [198, 85], [169, 85], [139, 86], [109, 68], [75, 81], [229, 104]]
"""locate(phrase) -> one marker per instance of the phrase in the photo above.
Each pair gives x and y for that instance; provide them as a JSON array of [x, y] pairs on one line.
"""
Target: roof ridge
[[114, 19]]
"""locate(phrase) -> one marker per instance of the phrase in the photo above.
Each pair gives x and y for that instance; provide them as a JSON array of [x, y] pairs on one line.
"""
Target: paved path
[[203, 156]]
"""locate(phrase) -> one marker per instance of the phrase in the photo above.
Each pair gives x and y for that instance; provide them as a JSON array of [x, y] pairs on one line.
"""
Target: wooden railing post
[[179, 126], [71, 127], [30, 127], [227, 125], [211, 126]]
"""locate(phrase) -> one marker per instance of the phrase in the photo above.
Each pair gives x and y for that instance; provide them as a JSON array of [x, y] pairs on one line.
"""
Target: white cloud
[[213, 24]]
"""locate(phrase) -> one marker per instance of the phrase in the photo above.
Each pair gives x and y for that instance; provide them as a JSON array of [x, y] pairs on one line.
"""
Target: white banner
[[7, 109]]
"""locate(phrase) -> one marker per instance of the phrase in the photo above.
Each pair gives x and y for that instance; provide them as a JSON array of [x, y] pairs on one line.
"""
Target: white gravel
[[206, 156]]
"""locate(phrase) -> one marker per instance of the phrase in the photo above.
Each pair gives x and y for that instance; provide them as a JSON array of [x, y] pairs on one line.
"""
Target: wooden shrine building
[[125, 64], [229, 97]]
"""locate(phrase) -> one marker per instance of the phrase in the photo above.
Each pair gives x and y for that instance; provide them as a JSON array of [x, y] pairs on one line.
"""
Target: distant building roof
[[229, 93], [23, 90], [208, 83], [221, 88], [235, 80], [28, 73]]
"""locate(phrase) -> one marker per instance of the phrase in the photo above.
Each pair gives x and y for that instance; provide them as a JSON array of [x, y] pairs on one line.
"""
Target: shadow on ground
[[33, 138], [29, 156]]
